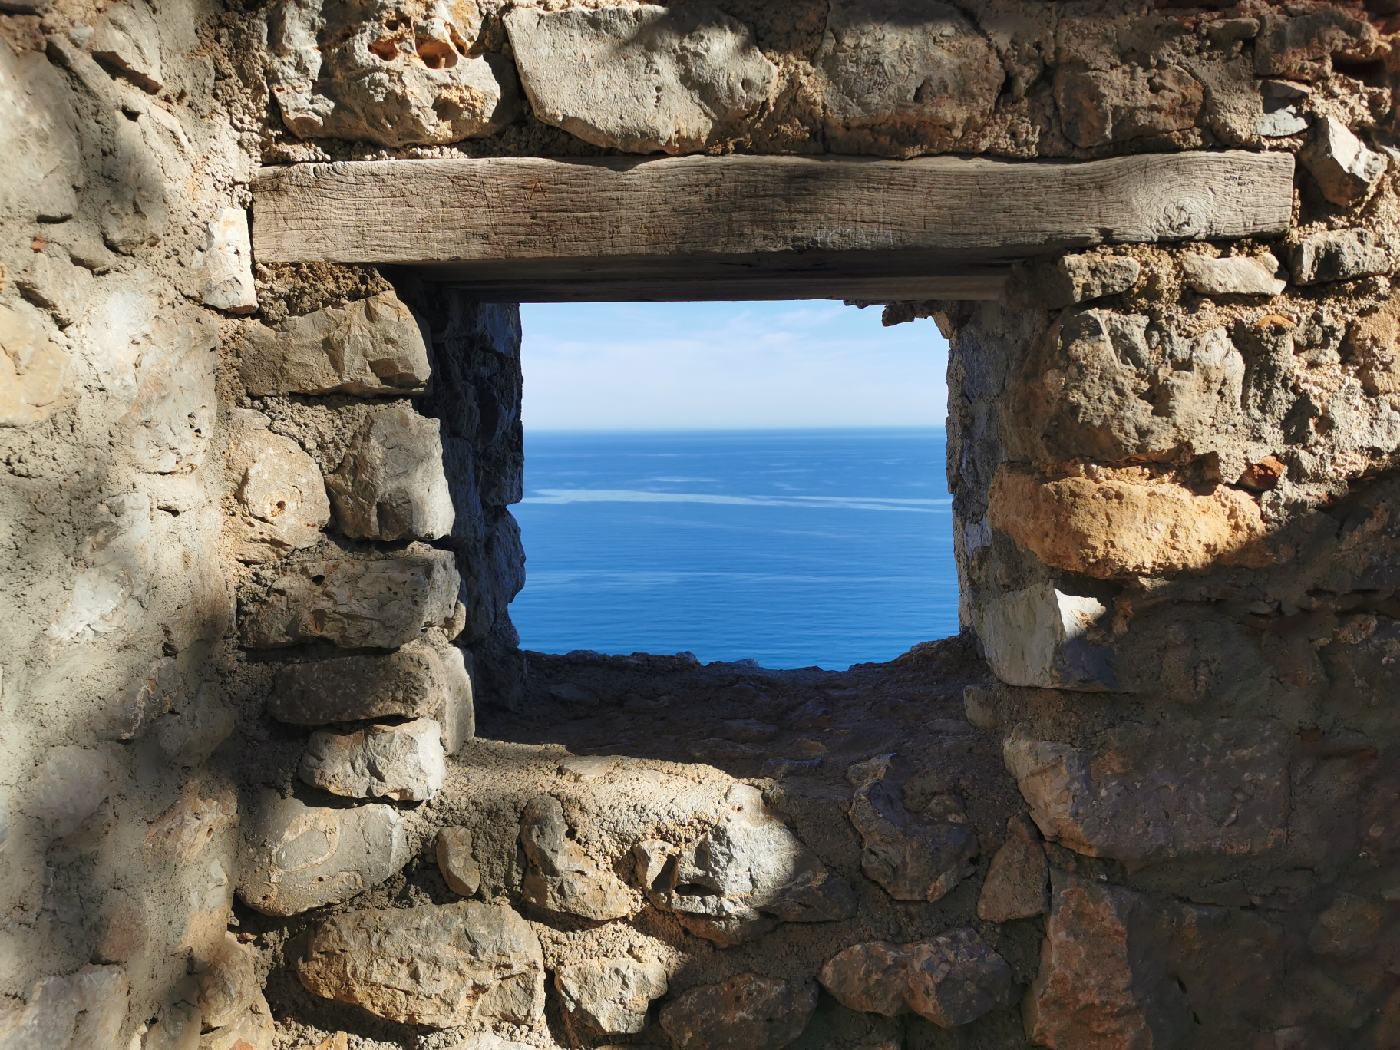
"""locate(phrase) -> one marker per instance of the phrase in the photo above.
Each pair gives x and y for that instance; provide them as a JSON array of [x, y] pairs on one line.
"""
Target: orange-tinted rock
[[1100, 986], [951, 979], [1018, 877], [1115, 526]]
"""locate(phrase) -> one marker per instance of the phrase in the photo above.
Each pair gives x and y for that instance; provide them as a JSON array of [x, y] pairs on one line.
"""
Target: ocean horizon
[[792, 547]]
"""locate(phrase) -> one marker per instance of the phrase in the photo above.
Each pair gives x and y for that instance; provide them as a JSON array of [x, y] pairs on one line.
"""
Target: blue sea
[[795, 548]]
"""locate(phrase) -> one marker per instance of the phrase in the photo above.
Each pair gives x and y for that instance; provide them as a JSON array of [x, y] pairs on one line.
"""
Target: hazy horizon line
[[730, 428]]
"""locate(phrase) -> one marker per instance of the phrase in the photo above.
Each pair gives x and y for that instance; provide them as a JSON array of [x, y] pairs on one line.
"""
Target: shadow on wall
[[118, 825]]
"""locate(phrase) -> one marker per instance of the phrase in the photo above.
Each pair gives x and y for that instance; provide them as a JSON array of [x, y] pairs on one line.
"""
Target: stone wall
[[260, 555]]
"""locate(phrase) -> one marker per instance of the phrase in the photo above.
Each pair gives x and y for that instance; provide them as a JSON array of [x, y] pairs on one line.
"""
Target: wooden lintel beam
[[673, 223]]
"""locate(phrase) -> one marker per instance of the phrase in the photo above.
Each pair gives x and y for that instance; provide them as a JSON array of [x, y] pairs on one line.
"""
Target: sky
[[654, 366]]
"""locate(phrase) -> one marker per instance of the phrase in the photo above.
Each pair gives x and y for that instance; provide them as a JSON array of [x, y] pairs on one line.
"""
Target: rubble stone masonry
[[256, 554]]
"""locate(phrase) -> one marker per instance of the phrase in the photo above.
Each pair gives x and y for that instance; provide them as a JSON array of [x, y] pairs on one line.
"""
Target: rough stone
[[418, 681], [43, 183], [1018, 878], [70, 785], [278, 490], [391, 485], [1151, 794], [1300, 45], [1041, 636], [456, 862], [227, 983], [1099, 986], [126, 41], [952, 979], [394, 72], [640, 79], [353, 602], [560, 878], [904, 76], [81, 1011], [1339, 255], [1233, 275], [1348, 928], [602, 997], [1116, 389], [746, 1012], [1346, 170], [298, 857], [745, 872], [915, 856], [34, 365], [435, 965], [404, 762], [48, 277], [1103, 107], [370, 347], [228, 264], [1072, 279], [253, 1030], [1112, 527], [177, 1028]]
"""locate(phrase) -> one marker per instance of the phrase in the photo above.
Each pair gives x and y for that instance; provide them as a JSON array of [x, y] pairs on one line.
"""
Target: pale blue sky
[[604, 366]]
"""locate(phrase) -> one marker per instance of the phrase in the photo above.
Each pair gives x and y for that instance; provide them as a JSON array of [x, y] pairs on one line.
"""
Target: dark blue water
[[794, 548]]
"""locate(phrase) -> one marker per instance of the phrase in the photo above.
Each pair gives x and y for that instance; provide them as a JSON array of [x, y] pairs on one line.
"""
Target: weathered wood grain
[[554, 221]]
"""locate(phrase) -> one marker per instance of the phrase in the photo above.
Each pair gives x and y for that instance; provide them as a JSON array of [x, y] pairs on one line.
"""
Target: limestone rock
[[419, 680], [640, 79], [1113, 527], [297, 857], [34, 365], [1072, 279], [1157, 793], [228, 264], [391, 485], [371, 347], [1110, 387], [81, 1011], [746, 872], [126, 40], [1346, 170], [227, 983], [394, 72], [1233, 275], [1018, 877], [353, 602], [952, 979], [560, 878], [1339, 255], [746, 1012], [39, 183], [915, 856], [51, 279], [434, 965], [456, 861], [904, 76], [403, 762], [1041, 636], [1103, 107], [70, 784], [602, 997], [487, 1041], [176, 1028], [1096, 988], [253, 1030], [279, 490]]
